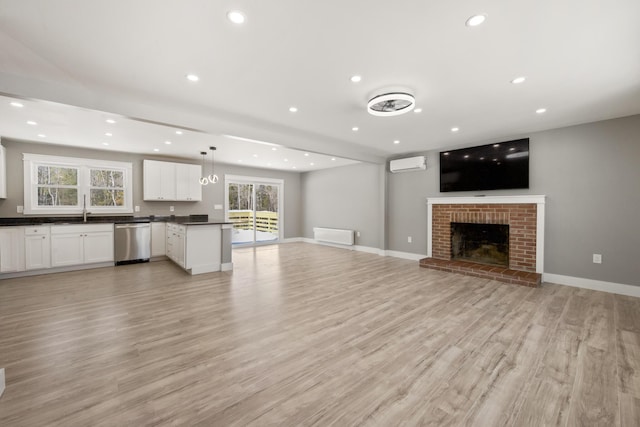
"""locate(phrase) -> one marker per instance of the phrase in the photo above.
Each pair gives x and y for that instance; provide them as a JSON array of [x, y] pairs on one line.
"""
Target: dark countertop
[[116, 219]]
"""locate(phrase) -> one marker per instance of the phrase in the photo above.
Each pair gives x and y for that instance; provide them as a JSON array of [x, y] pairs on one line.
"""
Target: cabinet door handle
[[44, 237]]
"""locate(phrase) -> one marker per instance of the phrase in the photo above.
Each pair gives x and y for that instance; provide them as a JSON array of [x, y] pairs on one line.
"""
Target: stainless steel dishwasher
[[132, 242]]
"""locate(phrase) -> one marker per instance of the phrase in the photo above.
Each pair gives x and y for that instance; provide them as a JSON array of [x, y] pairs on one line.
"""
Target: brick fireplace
[[524, 216]]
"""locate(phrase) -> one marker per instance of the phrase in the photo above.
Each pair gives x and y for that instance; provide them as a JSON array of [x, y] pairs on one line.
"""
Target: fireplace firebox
[[480, 243]]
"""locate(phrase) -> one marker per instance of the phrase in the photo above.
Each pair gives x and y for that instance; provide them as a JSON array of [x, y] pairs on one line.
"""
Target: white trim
[[256, 180], [595, 285], [481, 200], [292, 240], [31, 161], [405, 255], [226, 266], [2, 382], [539, 200]]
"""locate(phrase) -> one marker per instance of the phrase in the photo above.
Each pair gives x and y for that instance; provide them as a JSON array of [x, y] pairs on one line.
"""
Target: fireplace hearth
[[480, 243]]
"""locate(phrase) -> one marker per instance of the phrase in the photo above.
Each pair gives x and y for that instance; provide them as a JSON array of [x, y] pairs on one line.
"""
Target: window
[[67, 185], [107, 187], [57, 186]]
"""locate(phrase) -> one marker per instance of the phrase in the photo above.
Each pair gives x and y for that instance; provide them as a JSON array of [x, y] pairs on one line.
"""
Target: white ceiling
[[581, 60]]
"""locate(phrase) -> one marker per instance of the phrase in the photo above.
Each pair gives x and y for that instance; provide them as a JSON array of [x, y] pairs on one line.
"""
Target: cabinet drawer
[[37, 231], [81, 228]]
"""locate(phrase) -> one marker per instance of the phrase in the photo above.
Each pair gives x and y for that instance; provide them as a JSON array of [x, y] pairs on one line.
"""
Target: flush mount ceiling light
[[391, 104]]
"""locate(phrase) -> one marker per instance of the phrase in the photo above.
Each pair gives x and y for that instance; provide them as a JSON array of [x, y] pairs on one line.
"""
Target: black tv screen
[[497, 166]]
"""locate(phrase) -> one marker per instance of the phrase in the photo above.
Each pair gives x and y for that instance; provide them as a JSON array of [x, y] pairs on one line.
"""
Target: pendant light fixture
[[212, 178], [203, 180]]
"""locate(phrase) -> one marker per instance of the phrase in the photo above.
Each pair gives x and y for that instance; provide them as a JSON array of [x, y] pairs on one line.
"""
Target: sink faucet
[[84, 208]]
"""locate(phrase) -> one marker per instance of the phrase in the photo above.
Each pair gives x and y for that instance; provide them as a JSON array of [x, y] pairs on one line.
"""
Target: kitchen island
[[200, 247]]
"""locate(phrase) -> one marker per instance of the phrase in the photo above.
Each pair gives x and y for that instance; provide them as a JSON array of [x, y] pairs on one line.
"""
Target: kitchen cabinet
[[37, 244], [11, 249], [167, 181], [81, 244], [158, 239], [176, 243], [188, 187], [200, 247]]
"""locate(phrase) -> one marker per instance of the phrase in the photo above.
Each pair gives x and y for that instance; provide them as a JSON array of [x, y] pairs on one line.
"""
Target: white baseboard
[[2, 382], [292, 240], [405, 255], [595, 285]]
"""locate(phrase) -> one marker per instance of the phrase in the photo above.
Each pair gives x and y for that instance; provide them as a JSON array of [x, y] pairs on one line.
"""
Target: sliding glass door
[[254, 207]]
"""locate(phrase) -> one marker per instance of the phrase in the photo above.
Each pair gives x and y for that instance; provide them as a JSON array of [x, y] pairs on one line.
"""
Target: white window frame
[[84, 166], [241, 179]]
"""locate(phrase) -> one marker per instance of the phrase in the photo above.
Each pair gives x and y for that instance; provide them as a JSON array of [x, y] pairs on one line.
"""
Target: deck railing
[[265, 220]]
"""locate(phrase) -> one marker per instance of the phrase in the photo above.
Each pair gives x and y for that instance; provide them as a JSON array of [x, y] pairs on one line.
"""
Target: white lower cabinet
[[176, 243], [196, 248], [37, 245], [81, 244], [11, 249]]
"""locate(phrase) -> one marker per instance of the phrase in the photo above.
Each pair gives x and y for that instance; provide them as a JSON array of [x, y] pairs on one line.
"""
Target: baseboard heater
[[333, 235]]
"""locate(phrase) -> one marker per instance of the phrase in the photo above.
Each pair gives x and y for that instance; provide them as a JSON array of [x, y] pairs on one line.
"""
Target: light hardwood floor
[[301, 334]]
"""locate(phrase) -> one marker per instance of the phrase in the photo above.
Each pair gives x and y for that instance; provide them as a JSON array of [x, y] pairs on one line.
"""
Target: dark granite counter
[[116, 219]]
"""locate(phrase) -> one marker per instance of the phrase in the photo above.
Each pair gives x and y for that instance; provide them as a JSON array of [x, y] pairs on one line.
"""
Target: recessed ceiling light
[[417, 110], [356, 79], [192, 77], [446, 154], [476, 20], [236, 17], [178, 132], [32, 123], [268, 164], [286, 160], [512, 149], [16, 104], [311, 164], [274, 149], [105, 143], [293, 167], [240, 161], [293, 109], [496, 145], [455, 129], [466, 156], [396, 142], [355, 128], [110, 121], [168, 142], [42, 135], [518, 80], [333, 159], [156, 149], [306, 154], [541, 110], [108, 134], [255, 155]]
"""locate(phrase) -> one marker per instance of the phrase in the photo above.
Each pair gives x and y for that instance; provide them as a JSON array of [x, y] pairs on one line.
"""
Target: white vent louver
[[408, 164]]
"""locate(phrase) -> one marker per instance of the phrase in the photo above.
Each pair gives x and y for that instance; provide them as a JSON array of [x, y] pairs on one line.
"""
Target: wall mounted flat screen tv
[[504, 165]]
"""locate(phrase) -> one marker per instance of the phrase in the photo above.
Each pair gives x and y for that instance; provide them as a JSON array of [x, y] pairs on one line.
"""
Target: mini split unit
[[408, 164]]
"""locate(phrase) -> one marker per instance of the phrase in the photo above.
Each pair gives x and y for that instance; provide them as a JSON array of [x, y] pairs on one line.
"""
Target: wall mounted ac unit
[[408, 164]]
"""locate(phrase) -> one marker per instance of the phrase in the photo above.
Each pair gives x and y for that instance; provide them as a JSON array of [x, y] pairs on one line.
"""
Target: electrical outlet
[[597, 258], [409, 239], [137, 208], [20, 209], [357, 234], [171, 209]]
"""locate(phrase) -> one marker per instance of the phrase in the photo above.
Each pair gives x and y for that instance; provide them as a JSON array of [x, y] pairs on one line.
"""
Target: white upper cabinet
[[167, 181], [188, 182]]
